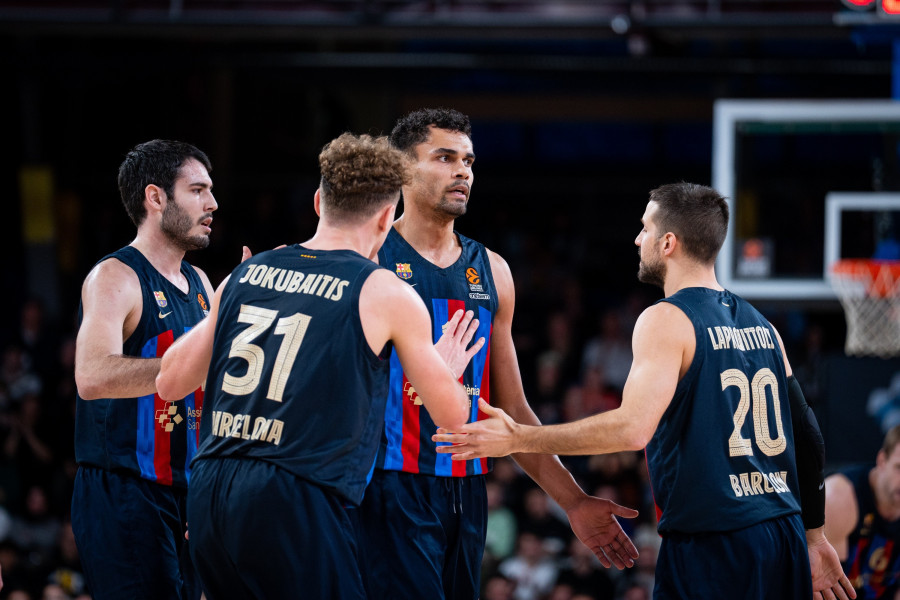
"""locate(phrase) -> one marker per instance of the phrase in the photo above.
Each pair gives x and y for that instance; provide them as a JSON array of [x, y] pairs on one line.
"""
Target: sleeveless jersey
[[147, 436], [292, 380], [469, 285], [873, 556], [722, 457]]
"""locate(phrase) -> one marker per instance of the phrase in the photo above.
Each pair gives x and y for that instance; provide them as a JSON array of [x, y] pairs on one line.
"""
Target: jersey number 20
[[292, 328], [754, 392]]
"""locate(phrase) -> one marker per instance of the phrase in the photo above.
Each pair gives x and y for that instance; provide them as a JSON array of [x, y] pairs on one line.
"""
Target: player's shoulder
[[111, 273], [664, 319], [497, 262], [384, 285]]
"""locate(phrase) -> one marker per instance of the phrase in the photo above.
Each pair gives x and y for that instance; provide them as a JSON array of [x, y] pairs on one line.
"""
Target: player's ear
[[386, 216], [154, 198], [317, 202], [669, 242]]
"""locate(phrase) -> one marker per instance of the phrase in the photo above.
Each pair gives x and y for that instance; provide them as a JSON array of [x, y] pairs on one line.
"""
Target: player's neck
[[679, 278], [162, 254], [433, 240], [334, 238]]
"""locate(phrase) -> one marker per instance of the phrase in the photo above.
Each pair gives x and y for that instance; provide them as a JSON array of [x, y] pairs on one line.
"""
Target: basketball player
[[862, 520], [132, 447], [711, 395], [297, 346], [413, 488]]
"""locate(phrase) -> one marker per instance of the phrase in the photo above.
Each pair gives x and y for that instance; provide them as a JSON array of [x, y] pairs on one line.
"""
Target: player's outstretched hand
[[594, 522], [828, 578], [454, 342], [494, 436]]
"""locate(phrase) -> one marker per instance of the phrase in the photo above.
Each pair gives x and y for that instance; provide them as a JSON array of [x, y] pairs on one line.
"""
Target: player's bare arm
[[391, 310], [663, 347], [112, 304], [207, 284], [186, 363]]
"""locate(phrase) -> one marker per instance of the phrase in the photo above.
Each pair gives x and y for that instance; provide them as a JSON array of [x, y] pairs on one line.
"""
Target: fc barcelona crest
[[404, 271], [160, 299]]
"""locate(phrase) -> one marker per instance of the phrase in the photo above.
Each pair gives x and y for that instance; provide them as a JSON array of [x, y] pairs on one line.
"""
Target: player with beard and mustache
[[413, 487], [134, 449], [730, 440]]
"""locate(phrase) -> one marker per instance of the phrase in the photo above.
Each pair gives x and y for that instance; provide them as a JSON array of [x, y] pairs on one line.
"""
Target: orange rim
[[880, 276]]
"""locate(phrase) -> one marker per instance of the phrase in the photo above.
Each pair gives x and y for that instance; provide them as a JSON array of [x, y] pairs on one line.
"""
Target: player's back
[[292, 379], [722, 457]]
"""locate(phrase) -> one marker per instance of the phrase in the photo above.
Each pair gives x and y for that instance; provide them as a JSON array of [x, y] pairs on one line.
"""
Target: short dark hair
[[891, 439], [157, 162], [360, 175], [696, 214], [413, 129]]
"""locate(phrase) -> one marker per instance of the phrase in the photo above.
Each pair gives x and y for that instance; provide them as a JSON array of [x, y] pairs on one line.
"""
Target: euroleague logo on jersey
[[203, 305], [474, 279], [475, 288]]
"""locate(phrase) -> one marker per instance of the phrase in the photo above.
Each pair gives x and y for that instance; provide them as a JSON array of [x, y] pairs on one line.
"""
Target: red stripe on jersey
[[410, 446], [486, 388], [458, 467], [652, 494], [198, 407], [162, 450]]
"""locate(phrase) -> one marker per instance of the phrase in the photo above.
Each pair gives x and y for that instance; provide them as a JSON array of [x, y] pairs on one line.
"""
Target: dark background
[[578, 108]]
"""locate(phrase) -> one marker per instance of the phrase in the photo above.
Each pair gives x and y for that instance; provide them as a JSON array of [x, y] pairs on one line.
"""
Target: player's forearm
[[448, 409], [117, 376], [600, 434], [546, 470], [549, 473]]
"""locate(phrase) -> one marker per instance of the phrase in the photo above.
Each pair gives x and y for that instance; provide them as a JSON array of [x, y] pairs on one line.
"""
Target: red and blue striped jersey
[[147, 436], [469, 285]]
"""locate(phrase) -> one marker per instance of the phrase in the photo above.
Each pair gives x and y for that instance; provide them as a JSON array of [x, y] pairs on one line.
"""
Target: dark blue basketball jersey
[[468, 285], [292, 380], [722, 457], [873, 553], [147, 436]]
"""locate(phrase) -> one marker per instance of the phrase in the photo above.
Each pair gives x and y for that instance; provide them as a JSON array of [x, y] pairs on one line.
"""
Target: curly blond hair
[[360, 175]]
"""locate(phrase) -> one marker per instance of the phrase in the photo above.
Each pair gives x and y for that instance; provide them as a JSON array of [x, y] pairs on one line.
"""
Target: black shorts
[[258, 531], [130, 537], [423, 536], [767, 560]]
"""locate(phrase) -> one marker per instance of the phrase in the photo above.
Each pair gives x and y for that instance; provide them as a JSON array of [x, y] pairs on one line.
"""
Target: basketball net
[[869, 291]]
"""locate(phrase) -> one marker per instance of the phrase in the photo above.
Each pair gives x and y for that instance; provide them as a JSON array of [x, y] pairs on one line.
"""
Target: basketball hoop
[[869, 290]]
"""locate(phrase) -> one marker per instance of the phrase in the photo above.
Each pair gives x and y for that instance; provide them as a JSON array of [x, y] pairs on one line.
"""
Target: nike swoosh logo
[[163, 316], [412, 285], [723, 304], [821, 485]]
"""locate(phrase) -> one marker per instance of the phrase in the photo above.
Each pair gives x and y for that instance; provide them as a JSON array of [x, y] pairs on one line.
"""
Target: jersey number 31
[[292, 328]]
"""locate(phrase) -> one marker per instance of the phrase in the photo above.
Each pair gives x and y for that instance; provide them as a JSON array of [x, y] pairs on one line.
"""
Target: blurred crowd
[[531, 552], [574, 363]]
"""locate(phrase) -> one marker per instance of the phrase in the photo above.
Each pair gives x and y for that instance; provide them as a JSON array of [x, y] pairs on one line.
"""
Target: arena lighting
[[890, 7], [884, 7]]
